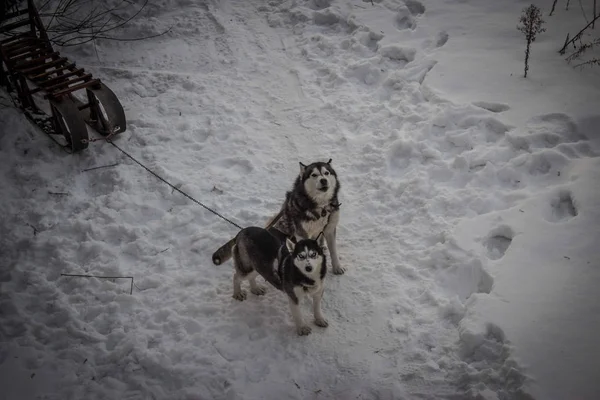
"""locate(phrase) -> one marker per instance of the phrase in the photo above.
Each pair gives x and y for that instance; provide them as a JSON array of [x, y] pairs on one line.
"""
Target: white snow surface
[[470, 213]]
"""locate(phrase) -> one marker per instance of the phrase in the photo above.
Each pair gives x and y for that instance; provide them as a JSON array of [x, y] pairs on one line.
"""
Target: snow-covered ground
[[470, 214]]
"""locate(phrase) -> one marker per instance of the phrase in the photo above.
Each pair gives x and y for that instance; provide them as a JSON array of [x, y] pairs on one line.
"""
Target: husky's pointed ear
[[321, 239], [329, 162], [290, 245], [302, 168]]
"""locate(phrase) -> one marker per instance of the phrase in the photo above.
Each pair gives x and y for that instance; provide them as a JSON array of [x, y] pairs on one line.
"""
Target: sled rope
[[108, 140], [172, 186]]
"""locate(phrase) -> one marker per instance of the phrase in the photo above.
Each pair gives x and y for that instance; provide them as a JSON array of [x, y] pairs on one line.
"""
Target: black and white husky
[[311, 207], [298, 269]]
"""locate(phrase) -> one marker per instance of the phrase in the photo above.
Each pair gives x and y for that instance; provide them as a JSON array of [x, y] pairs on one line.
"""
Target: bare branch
[[578, 36]]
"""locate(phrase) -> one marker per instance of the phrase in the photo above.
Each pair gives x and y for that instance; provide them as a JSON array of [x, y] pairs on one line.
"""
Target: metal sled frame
[[30, 65]]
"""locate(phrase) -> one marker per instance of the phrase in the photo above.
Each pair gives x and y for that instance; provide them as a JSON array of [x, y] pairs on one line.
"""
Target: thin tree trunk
[[594, 21], [553, 6], [527, 58]]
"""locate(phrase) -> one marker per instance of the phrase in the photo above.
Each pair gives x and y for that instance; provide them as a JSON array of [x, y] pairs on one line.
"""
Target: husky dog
[[311, 207], [298, 269]]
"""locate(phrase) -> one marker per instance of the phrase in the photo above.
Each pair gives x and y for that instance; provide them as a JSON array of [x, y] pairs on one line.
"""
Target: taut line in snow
[[173, 186]]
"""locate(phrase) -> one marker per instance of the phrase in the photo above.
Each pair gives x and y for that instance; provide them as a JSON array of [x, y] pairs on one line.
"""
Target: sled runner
[[35, 71]]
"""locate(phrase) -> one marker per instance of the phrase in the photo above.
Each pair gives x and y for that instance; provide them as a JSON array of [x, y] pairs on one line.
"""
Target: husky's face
[[319, 180], [308, 255]]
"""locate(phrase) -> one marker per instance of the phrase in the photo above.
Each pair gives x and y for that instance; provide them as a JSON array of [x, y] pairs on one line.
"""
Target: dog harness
[[325, 210]]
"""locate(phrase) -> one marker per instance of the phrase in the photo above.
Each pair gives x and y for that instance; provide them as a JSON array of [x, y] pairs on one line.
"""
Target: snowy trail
[[225, 106], [158, 336]]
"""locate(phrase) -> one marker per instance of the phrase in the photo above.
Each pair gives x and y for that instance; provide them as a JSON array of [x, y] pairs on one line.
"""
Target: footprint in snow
[[550, 130], [325, 18], [493, 107], [415, 7], [562, 207], [398, 53], [369, 39], [441, 39], [498, 242], [405, 20], [319, 4]]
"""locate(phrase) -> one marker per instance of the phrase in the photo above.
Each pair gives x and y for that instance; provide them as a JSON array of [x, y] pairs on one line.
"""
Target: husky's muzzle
[[324, 185]]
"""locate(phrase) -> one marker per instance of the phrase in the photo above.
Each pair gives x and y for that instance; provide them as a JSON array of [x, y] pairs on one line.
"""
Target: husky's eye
[[314, 175], [326, 173], [312, 254], [301, 256]]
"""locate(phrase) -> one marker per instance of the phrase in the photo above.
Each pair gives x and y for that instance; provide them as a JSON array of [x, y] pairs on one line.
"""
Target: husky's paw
[[322, 322], [303, 330], [339, 271], [241, 295], [259, 290]]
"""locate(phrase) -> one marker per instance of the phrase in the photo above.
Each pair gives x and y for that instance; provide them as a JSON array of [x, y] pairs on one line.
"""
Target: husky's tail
[[223, 253]]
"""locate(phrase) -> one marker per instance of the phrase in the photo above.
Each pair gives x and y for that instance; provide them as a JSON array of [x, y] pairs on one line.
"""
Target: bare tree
[[531, 25]]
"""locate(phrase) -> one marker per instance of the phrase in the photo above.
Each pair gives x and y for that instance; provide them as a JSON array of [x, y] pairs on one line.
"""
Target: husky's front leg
[[319, 318], [238, 293], [330, 237], [301, 327]]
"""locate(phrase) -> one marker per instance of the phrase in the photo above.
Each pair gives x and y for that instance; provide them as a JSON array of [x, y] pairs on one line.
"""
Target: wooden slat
[[62, 77], [62, 85], [15, 37], [16, 14], [14, 25], [15, 48], [37, 60], [93, 82], [54, 71], [34, 53], [56, 63]]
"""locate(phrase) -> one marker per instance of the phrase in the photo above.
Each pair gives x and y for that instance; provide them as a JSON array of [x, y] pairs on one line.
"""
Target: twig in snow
[[35, 231], [298, 386], [217, 190], [102, 166], [103, 277], [590, 62], [162, 251], [58, 193]]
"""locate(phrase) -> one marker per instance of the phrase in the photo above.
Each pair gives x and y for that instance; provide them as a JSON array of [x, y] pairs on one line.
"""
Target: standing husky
[[311, 207], [296, 269]]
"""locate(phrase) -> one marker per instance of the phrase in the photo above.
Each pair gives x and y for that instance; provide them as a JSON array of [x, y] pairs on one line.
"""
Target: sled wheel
[[98, 117], [68, 122], [106, 113]]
